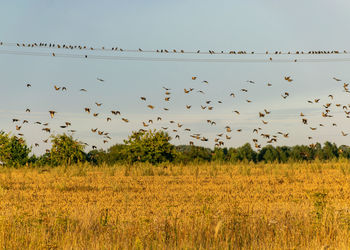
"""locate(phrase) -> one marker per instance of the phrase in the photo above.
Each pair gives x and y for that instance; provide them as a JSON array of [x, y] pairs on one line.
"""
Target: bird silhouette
[[52, 113], [288, 78]]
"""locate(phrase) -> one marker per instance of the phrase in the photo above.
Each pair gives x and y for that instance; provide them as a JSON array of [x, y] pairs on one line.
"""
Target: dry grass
[[267, 206]]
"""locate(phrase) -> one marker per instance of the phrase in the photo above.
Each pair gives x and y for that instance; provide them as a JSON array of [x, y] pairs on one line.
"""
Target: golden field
[[216, 206]]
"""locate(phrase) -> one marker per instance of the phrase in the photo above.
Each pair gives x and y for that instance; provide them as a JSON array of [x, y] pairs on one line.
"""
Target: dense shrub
[[13, 150], [66, 151]]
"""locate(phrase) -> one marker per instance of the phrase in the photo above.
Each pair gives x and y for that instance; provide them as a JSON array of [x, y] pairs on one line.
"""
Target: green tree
[[330, 151], [300, 153], [232, 155], [283, 153], [268, 154], [65, 150], [190, 153], [116, 154], [149, 146], [219, 154], [344, 151], [13, 150], [43, 160], [97, 157], [246, 153]]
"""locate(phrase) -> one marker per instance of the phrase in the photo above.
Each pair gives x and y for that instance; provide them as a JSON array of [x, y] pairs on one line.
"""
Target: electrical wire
[[169, 59], [168, 51]]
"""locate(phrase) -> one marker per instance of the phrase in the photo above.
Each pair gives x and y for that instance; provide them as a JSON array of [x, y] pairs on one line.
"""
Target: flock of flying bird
[[226, 133], [176, 128], [66, 125]]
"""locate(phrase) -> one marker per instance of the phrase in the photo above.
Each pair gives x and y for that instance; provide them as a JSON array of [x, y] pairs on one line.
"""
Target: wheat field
[[216, 206]]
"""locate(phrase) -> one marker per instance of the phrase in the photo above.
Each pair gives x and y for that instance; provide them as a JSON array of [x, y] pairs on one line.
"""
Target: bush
[[116, 154], [66, 151], [13, 150]]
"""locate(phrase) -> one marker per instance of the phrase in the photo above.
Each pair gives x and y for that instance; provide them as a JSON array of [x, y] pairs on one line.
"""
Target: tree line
[[154, 147]]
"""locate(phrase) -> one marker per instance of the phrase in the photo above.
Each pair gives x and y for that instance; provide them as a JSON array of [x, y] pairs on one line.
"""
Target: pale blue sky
[[189, 25]]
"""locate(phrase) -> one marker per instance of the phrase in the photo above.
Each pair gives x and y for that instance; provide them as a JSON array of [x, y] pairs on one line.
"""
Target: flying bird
[[288, 78], [52, 113]]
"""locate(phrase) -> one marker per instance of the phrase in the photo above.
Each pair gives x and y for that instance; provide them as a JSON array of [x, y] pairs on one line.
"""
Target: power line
[[168, 59], [169, 51]]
